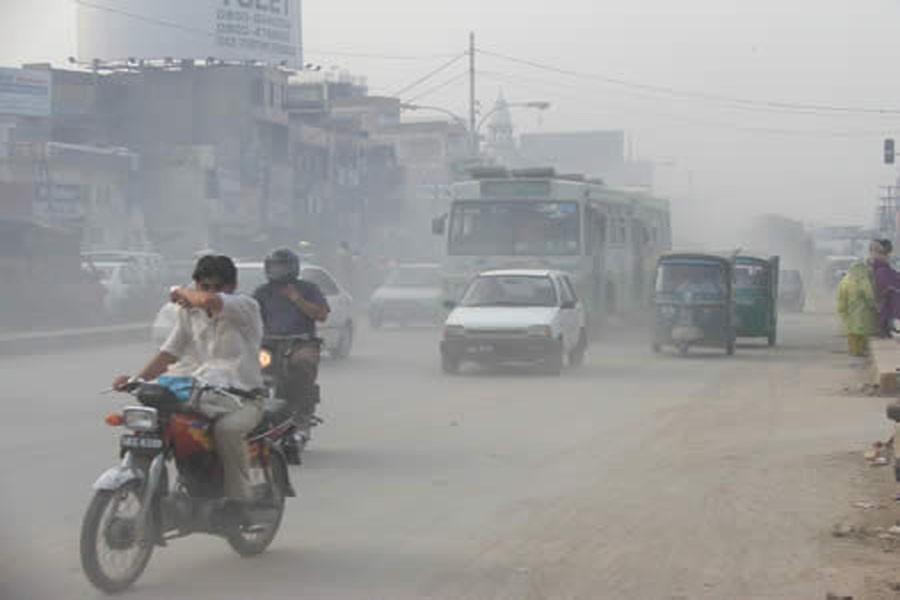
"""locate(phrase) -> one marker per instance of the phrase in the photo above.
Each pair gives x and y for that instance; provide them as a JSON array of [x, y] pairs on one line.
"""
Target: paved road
[[635, 476]]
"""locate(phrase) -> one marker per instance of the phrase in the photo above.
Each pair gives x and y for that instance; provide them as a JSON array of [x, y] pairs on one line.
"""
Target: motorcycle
[[275, 362], [136, 506]]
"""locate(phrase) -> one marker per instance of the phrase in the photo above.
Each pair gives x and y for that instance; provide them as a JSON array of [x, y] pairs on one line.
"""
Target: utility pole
[[472, 109]]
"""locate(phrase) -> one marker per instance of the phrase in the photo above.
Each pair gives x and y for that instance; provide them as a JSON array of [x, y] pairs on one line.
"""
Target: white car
[[337, 332], [412, 293], [516, 316]]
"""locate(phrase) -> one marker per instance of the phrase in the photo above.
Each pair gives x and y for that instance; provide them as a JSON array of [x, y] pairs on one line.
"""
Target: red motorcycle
[[138, 505]]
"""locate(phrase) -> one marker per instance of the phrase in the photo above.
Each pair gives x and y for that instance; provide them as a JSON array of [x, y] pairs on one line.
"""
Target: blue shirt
[[280, 315]]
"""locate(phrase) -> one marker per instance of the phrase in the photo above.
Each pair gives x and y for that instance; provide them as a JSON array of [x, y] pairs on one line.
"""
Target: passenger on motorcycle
[[291, 306], [220, 332]]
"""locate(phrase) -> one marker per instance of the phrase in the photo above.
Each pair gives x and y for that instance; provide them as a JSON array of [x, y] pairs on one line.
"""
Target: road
[[633, 477]]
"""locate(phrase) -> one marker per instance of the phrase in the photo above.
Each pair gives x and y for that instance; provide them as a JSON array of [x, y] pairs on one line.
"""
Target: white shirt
[[226, 346]]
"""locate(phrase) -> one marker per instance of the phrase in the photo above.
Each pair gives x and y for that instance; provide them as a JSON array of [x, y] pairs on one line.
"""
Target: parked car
[[126, 288], [133, 281], [337, 332], [791, 291], [412, 293], [516, 316]]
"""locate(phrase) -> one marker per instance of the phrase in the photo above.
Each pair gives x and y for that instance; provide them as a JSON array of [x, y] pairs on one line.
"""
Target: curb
[[40, 341], [885, 363]]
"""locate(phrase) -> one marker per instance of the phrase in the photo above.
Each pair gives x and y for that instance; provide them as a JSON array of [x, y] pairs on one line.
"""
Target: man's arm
[[211, 302], [314, 310], [158, 365]]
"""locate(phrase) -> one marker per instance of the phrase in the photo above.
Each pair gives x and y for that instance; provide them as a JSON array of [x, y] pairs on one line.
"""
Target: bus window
[[515, 228]]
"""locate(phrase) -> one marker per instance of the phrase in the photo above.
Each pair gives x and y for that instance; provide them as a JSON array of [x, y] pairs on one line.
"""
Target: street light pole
[[444, 111], [476, 132], [473, 136]]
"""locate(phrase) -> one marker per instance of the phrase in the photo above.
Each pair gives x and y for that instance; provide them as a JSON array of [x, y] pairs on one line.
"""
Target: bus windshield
[[515, 228]]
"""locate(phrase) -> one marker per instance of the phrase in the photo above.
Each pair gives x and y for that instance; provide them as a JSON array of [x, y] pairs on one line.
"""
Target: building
[[56, 170], [592, 153], [214, 143]]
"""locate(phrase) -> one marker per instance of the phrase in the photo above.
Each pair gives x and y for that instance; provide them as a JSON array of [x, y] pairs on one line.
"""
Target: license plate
[[135, 442], [481, 349]]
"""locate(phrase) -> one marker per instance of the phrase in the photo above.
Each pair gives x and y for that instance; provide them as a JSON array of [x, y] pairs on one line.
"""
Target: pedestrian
[[887, 283], [858, 309]]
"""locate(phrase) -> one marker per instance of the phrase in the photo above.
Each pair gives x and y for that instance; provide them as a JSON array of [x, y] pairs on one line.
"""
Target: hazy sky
[[816, 166]]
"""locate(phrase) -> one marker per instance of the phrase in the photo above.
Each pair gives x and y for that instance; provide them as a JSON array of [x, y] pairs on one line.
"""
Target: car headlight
[[140, 419], [544, 331], [265, 359], [454, 331]]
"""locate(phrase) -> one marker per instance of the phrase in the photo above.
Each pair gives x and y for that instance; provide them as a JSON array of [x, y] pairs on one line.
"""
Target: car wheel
[[576, 356], [449, 364], [345, 342], [553, 363]]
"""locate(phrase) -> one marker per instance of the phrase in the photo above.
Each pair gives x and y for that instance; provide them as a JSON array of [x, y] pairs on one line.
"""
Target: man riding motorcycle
[[291, 307], [220, 333]]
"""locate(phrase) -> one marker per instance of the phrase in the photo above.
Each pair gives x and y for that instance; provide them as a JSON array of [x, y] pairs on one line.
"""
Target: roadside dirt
[[735, 495]]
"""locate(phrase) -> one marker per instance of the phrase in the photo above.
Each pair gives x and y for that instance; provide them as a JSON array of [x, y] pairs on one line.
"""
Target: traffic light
[[889, 153]]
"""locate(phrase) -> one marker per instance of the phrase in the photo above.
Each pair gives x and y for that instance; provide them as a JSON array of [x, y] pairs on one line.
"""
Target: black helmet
[[282, 266]]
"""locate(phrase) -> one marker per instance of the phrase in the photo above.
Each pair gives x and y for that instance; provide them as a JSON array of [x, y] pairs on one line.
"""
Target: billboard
[[262, 30], [25, 93]]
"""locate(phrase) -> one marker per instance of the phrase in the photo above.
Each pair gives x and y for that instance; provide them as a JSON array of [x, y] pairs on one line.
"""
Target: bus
[[607, 239]]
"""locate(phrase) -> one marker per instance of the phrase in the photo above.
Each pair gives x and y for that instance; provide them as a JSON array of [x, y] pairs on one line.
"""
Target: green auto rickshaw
[[756, 297], [694, 302]]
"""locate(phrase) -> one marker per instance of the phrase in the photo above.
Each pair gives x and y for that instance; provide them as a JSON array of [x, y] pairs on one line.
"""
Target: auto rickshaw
[[756, 297], [694, 302]]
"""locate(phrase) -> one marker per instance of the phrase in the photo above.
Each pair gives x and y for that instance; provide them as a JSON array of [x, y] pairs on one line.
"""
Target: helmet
[[282, 266]]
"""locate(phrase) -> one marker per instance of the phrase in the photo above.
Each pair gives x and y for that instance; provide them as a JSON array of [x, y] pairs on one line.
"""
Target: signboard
[[24, 92], [58, 204], [267, 31]]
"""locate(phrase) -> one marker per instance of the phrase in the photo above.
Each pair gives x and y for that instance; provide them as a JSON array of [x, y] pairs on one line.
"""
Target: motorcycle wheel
[[108, 541], [254, 540]]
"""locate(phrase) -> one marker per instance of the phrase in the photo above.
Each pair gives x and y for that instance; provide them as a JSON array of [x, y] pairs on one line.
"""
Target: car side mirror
[[569, 305], [439, 225], [449, 304]]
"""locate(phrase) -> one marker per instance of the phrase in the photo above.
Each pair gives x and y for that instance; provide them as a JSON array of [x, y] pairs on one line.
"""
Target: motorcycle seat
[[275, 412]]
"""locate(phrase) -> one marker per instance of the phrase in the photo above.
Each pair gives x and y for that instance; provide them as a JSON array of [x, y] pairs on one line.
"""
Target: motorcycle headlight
[[265, 359], [454, 331], [141, 419], [543, 331]]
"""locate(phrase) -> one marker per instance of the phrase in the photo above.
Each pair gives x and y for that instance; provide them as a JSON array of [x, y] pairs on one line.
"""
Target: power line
[[204, 33], [439, 87], [430, 75], [144, 18], [552, 88], [376, 56], [743, 103]]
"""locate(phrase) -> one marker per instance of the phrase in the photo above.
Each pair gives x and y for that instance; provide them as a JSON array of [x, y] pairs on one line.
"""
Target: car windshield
[[705, 281], [511, 290], [106, 271], [414, 277], [515, 228]]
